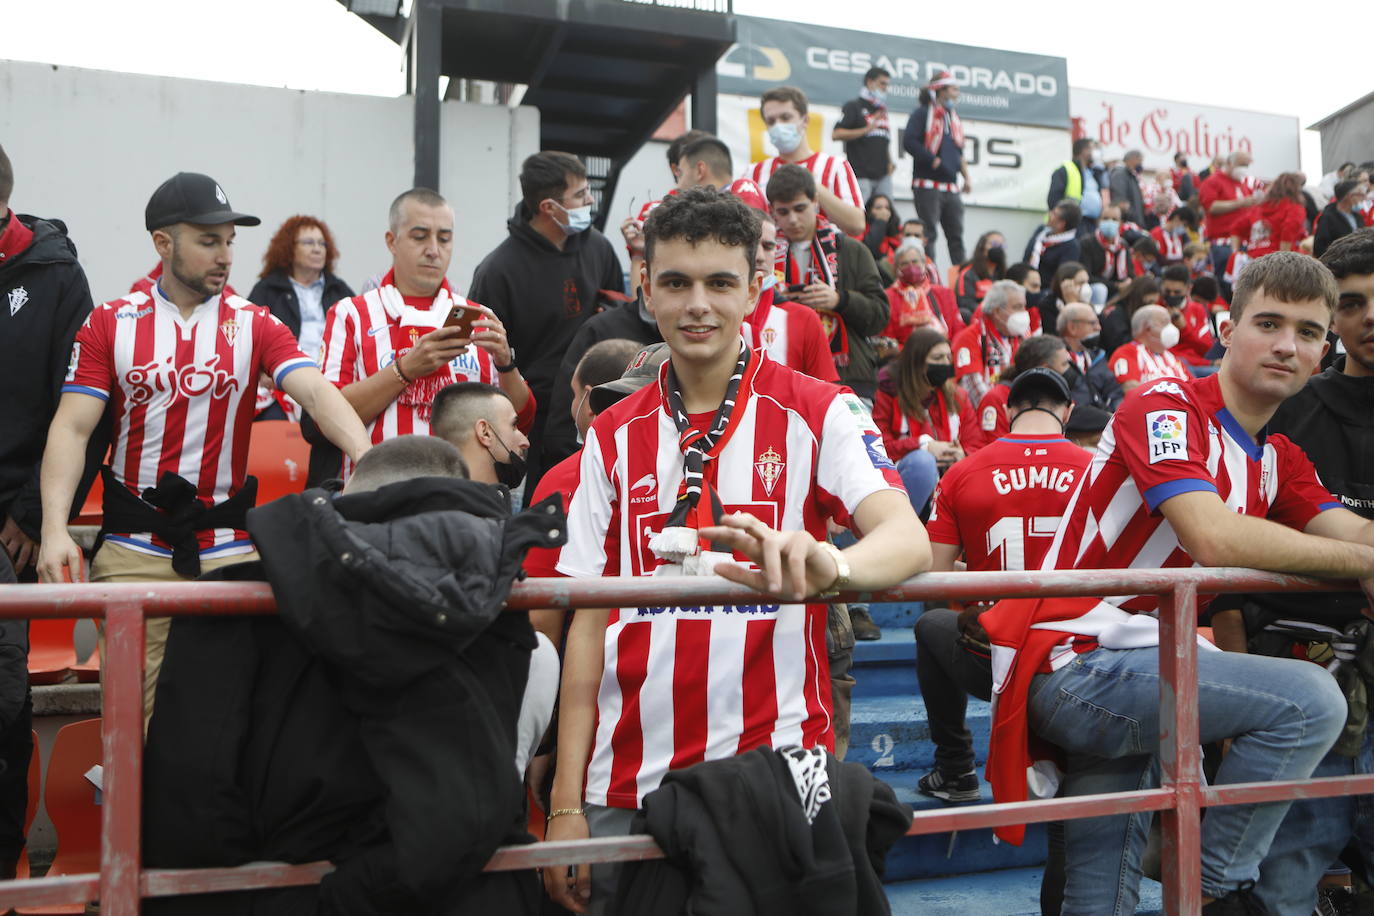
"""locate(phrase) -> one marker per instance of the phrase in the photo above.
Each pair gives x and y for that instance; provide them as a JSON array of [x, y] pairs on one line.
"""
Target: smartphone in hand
[[462, 316]]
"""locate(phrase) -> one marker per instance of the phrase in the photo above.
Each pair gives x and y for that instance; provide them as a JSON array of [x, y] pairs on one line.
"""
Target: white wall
[[90, 146]]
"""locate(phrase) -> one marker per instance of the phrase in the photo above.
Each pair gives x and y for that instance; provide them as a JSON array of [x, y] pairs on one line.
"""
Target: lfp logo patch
[[1167, 435]]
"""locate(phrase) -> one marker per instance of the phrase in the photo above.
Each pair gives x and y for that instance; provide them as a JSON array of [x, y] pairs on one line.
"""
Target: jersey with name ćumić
[[1004, 504], [183, 394], [683, 685]]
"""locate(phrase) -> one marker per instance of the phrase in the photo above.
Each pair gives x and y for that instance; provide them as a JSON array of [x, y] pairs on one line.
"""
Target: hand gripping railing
[[122, 881]]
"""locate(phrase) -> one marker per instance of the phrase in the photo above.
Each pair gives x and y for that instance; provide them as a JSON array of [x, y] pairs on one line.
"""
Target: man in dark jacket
[[44, 299], [374, 723], [543, 281], [627, 321], [934, 137], [1125, 187], [1332, 418], [1089, 375], [826, 270], [1054, 243], [1339, 218], [16, 732]]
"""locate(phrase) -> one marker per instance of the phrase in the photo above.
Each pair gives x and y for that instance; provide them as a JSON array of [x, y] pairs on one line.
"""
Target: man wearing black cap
[[178, 368], [999, 508]]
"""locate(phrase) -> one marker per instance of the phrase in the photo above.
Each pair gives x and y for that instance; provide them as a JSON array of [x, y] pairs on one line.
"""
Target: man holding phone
[[820, 267], [392, 349]]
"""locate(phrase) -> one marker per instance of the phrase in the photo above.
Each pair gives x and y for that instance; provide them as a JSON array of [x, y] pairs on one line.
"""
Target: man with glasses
[[544, 280], [1089, 376]]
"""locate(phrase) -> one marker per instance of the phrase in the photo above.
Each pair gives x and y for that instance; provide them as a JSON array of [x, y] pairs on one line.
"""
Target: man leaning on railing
[[1185, 474]]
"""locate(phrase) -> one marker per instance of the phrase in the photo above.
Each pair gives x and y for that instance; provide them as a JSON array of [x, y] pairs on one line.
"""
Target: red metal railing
[[122, 881]]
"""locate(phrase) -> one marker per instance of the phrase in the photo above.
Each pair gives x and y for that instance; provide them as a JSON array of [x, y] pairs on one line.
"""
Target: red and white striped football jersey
[[683, 685], [831, 172], [367, 333], [1004, 504], [1167, 438], [1133, 362], [183, 393], [791, 333]]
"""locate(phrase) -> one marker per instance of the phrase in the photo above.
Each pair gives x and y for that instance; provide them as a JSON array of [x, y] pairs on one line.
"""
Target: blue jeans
[[919, 475], [1102, 708], [1314, 833]]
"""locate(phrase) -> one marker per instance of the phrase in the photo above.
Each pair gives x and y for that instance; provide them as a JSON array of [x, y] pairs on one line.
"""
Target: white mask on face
[[786, 136], [1085, 293], [1169, 337], [1018, 324], [1240, 172]]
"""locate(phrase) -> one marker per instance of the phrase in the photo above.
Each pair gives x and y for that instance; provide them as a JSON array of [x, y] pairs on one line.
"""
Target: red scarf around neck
[[825, 268]]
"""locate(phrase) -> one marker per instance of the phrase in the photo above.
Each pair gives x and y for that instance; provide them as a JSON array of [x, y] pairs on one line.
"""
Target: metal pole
[[425, 47], [1179, 754], [122, 739]]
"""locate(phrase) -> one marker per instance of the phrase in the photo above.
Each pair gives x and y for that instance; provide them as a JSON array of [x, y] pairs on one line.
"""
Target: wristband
[[401, 376]]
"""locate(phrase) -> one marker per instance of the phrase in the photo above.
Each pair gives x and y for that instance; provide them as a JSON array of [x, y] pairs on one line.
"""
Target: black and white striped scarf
[[695, 444]]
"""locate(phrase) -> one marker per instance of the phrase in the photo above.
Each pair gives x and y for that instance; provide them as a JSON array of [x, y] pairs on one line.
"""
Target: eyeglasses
[[311, 243]]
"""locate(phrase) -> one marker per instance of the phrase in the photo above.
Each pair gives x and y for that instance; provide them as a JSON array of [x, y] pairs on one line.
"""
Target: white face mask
[[1085, 293], [1240, 172], [770, 279], [1169, 337], [1018, 324], [786, 136]]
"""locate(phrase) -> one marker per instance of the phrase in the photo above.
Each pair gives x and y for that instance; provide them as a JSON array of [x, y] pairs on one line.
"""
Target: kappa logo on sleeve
[[1168, 388], [1167, 435]]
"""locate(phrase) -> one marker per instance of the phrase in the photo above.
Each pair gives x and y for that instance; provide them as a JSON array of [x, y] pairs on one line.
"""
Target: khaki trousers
[[116, 563]]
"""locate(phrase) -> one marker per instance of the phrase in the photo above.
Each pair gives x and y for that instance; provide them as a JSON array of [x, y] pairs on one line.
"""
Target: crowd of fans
[[784, 380]]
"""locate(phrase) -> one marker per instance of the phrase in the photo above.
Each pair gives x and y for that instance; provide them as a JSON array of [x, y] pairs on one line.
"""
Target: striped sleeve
[[280, 354], [589, 513], [845, 184], [853, 464], [339, 352], [91, 368]]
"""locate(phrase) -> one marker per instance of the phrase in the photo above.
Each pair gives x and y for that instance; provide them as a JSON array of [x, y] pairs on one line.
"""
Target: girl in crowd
[[1281, 220], [920, 412], [986, 267], [883, 230], [1116, 318]]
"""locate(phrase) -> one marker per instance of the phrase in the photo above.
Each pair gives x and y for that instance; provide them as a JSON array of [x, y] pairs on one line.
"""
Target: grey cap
[[642, 370]]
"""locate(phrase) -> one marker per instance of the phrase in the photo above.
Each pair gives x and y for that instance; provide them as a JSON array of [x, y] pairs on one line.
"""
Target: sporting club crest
[[769, 467]]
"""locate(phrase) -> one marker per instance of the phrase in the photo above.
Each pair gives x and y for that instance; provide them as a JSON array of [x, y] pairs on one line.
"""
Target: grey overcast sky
[[1268, 56]]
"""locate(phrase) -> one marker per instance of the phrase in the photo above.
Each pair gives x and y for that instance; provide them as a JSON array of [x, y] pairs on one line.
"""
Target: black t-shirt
[[870, 154]]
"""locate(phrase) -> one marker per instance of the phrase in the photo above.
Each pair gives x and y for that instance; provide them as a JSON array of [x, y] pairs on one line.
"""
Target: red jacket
[[902, 434]]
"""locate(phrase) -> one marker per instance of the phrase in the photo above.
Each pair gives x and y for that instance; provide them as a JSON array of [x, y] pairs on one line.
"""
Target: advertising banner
[[1009, 164], [828, 65], [1160, 128]]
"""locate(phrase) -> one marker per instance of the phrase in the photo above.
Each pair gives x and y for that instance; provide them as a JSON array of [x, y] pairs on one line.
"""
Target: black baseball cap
[[1039, 382], [1087, 419], [190, 197]]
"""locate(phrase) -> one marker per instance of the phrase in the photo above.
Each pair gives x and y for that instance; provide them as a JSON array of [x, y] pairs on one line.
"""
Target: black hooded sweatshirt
[[44, 298], [543, 295], [1332, 420]]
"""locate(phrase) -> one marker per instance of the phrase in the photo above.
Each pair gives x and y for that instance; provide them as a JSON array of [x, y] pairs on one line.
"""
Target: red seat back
[[279, 457]]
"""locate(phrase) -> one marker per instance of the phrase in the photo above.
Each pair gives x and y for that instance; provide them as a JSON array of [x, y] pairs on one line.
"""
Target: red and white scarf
[[419, 393], [1118, 265], [919, 308], [824, 268], [1049, 239], [937, 117]]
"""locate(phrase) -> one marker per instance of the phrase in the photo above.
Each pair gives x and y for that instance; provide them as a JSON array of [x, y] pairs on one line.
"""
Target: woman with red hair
[[297, 282]]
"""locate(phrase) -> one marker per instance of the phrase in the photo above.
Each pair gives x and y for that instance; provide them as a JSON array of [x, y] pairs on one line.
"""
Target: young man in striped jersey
[[729, 453], [389, 350], [179, 368], [1185, 474]]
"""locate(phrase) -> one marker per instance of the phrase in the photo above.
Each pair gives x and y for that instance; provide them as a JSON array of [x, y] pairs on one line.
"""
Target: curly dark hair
[[700, 214], [281, 251]]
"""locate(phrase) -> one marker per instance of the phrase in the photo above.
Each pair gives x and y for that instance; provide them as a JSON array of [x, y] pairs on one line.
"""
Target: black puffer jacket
[[44, 298], [395, 597]]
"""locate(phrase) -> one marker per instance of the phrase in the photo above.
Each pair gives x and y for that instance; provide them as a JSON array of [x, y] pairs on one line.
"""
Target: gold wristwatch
[[841, 570]]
